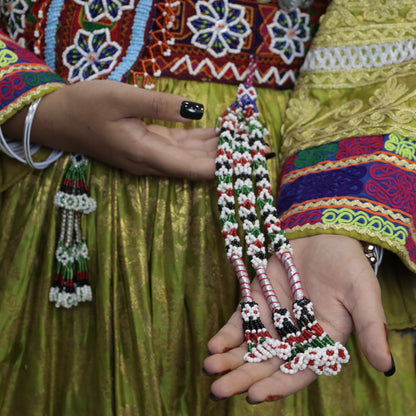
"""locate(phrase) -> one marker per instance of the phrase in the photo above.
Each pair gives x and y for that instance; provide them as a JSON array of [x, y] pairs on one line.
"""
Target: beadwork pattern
[[71, 285], [145, 39], [240, 158]]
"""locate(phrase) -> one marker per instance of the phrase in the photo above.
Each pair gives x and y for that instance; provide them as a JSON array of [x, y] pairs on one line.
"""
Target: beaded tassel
[[71, 285], [326, 356], [241, 153], [260, 343]]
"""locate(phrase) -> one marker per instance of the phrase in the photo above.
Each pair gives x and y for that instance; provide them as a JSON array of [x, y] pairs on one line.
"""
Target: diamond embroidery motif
[[15, 12], [92, 55], [100, 9], [289, 32], [219, 27]]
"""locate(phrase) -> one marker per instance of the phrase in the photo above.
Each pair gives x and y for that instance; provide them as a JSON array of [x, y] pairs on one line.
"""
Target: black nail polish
[[270, 155], [251, 402], [191, 110], [215, 398], [392, 370]]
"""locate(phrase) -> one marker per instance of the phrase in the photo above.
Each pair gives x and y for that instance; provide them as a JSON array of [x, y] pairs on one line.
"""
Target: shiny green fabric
[[162, 287]]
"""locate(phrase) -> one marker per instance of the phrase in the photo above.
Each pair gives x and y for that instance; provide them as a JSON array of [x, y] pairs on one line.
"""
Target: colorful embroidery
[[97, 10], [357, 218], [219, 27], [315, 155], [138, 37], [358, 146], [289, 32], [401, 146], [159, 44], [209, 40], [23, 77], [215, 39], [40, 11], [15, 12], [7, 57], [92, 55], [366, 187]]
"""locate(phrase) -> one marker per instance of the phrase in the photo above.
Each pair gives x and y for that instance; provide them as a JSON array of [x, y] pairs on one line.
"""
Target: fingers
[[203, 140], [279, 385], [243, 377], [369, 319], [225, 362], [142, 103], [229, 336], [164, 159]]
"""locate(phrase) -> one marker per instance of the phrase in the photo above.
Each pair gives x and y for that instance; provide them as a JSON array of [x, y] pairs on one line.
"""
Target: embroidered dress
[[156, 255]]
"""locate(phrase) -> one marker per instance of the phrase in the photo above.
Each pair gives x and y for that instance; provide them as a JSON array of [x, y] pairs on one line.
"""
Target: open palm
[[339, 280]]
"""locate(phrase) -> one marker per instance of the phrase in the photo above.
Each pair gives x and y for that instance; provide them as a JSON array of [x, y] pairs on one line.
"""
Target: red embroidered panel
[[213, 41]]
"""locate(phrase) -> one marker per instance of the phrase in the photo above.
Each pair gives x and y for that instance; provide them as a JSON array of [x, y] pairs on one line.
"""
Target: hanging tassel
[[241, 154], [70, 285], [311, 346], [260, 344]]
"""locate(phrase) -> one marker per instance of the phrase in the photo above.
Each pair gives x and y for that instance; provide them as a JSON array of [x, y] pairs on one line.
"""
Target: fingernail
[[215, 398], [206, 372], [392, 370], [251, 402], [191, 110], [270, 155]]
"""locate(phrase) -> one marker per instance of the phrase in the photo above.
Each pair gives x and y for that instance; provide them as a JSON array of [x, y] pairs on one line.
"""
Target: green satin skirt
[[162, 287]]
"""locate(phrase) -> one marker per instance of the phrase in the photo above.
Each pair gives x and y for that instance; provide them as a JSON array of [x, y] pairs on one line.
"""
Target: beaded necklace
[[240, 159]]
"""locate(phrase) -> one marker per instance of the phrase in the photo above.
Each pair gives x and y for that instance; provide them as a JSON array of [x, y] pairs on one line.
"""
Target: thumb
[[369, 320], [142, 103]]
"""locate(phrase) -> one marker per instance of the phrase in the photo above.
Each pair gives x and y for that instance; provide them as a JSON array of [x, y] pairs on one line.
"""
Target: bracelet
[[23, 152], [28, 127], [374, 254]]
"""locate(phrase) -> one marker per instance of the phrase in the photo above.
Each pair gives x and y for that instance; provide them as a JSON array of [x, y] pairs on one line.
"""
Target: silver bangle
[[23, 151], [26, 135]]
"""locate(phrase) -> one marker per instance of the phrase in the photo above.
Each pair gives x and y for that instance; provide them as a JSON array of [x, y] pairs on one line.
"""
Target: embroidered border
[[360, 56], [361, 186], [23, 77]]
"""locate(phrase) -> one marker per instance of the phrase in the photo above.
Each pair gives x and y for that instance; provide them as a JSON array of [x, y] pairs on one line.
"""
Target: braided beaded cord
[[260, 343], [241, 156], [313, 348]]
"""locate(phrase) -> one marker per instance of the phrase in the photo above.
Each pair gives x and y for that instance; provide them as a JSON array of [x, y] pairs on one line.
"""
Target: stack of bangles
[[23, 151]]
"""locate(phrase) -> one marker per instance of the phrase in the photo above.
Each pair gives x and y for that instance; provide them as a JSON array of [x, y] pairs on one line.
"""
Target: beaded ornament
[[71, 284], [240, 159]]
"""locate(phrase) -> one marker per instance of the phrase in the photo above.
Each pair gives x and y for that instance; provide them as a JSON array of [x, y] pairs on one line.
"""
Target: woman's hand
[[340, 282], [103, 119]]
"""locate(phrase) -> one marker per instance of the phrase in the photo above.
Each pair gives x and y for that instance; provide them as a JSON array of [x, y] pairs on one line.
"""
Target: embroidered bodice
[[209, 40]]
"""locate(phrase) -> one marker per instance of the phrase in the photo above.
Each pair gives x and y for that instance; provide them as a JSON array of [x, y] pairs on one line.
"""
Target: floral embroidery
[[91, 56], [15, 12], [100, 9], [219, 27], [289, 32]]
